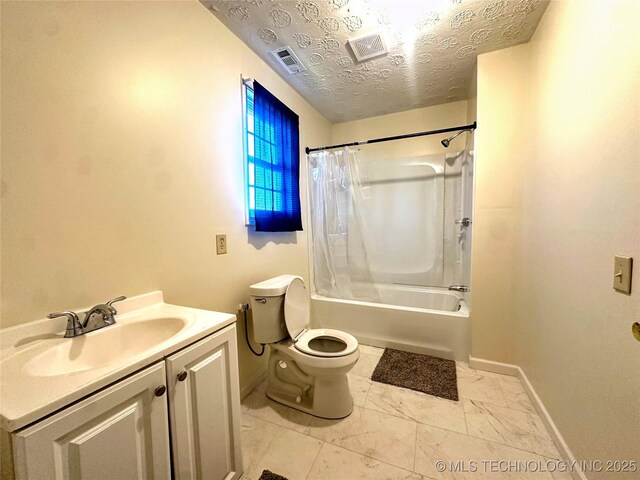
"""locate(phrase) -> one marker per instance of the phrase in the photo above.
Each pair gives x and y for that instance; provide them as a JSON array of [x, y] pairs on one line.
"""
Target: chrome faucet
[[103, 311], [459, 288], [463, 222]]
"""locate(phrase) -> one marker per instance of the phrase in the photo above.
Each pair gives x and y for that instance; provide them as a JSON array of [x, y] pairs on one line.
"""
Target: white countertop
[[26, 397]]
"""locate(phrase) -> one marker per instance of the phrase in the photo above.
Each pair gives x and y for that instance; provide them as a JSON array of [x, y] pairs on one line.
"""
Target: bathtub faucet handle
[[459, 288]]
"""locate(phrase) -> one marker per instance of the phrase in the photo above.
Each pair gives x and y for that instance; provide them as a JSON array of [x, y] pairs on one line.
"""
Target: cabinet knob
[[182, 376], [160, 390]]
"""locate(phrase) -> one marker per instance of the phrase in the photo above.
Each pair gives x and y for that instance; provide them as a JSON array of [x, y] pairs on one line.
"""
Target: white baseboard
[[495, 367], [253, 383], [556, 436]]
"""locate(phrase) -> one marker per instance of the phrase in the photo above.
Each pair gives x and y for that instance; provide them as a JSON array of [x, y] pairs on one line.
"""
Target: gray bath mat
[[435, 376], [267, 475]]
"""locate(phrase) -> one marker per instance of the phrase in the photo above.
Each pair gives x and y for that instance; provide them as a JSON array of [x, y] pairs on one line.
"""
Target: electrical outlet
[[221, 244]]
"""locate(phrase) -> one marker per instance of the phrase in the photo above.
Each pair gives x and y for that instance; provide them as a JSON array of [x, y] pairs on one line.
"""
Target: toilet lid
[[296, 308]]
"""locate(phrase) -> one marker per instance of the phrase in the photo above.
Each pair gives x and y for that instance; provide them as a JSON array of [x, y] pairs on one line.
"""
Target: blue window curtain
[[277, 164]]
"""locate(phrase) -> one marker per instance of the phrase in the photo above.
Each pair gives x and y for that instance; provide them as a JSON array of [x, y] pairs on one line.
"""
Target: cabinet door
[[121, 432], [204, 409]]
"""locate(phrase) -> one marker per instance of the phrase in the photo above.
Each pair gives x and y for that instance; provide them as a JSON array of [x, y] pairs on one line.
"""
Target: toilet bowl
[[307, 367]]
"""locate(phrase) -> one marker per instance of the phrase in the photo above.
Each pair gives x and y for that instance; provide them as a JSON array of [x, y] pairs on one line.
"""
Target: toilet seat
[[318, 342], [349, 342]]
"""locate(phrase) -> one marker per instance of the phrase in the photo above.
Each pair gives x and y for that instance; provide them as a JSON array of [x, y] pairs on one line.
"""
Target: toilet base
[[309, 389], [331, 413]]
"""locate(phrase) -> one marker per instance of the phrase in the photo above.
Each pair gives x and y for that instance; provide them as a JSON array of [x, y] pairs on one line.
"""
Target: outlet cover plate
[[622, 274], [221, 244]]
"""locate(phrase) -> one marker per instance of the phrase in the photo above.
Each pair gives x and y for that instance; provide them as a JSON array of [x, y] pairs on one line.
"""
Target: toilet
[[307, 368]]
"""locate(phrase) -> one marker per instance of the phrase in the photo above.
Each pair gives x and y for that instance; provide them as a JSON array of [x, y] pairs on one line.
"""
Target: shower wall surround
[[392, 221], [412, 192]]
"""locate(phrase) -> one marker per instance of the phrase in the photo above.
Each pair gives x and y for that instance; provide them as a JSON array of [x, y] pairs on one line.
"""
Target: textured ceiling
[[433, 45]]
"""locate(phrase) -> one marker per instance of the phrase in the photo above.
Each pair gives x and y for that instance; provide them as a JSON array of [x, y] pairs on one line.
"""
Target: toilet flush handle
[[261, 300]]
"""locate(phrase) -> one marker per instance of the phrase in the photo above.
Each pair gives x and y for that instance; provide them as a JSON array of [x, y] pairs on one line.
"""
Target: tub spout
[[459, 288]]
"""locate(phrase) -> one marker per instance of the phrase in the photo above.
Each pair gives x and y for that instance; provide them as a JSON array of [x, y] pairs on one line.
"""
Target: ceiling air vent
[[288, 60], [367, 47]]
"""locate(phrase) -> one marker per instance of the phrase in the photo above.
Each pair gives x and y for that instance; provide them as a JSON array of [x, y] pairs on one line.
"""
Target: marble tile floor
[[395, 433]]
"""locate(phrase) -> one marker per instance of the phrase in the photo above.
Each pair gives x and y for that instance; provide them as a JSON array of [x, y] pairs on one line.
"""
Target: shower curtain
[[389, 220], [340, 266]]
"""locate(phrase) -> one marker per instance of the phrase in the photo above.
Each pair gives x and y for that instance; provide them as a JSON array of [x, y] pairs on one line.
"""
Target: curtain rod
[[471, 126]]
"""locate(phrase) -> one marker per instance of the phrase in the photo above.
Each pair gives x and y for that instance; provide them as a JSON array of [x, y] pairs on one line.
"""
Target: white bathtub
[[436, 322]]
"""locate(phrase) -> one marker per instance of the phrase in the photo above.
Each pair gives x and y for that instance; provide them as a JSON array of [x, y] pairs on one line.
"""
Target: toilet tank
[[267, 303]]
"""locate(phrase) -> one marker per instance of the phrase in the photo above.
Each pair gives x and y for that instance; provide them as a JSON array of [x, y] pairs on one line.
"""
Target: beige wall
[[122, 158], [582, 207], [501, 145], [574, 173], [472, 98], [410, 121]]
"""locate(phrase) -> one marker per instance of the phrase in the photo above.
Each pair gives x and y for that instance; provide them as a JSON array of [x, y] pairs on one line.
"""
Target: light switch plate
[[622, 274], [221, 244]]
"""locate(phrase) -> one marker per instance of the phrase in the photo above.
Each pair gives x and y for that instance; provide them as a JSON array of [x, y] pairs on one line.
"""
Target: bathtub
[[433, 321]]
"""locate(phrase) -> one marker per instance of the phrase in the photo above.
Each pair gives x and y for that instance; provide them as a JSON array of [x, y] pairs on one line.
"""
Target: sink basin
[[43, 372], [103, 346]]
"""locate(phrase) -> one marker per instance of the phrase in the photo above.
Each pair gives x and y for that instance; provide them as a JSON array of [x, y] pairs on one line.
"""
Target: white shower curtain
[[340, 266]]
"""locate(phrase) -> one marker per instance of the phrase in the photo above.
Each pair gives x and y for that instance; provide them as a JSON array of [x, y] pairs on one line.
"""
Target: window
[[272, 162], [250, 152]]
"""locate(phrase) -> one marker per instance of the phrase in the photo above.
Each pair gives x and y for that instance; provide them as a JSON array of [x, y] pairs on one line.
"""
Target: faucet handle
[[464, 222], [117, 299], [69, 314], [73, 322]]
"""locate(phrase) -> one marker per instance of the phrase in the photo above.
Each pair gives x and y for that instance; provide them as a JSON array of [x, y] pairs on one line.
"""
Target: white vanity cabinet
[[123, 431], [203, 400]]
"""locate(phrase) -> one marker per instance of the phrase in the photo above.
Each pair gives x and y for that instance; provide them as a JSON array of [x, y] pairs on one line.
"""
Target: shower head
[[445, 143]]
